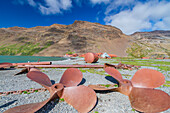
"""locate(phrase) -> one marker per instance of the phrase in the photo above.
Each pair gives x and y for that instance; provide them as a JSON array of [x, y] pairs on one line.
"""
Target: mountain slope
[[54, 40], [155, 42]]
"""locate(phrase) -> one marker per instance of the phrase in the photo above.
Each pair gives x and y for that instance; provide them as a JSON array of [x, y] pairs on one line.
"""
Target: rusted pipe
[[32, 63], [61, 66]]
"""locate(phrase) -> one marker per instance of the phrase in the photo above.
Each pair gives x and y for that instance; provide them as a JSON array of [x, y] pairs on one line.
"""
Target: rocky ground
[[113, 102]]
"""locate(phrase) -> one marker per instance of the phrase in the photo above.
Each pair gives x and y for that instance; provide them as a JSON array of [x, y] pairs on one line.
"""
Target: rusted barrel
[[91, 57]]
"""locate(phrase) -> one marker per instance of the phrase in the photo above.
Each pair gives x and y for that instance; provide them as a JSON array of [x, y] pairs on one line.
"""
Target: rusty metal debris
[[5, 65], [22, 91], [81, 97], [140, 90], [26, 70], [8, 65], [32, 63], [119, 66], [91, 57], [61, 66], [122, 66]]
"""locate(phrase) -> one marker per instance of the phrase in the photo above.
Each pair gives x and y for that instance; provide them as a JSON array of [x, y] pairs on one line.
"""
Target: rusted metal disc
[[91, 57]]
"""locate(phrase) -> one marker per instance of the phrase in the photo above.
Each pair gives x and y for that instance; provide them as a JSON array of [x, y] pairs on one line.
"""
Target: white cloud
[[150, 15], [32, 3], [49, 6], [55, 6], [99, 1], [114, 4]]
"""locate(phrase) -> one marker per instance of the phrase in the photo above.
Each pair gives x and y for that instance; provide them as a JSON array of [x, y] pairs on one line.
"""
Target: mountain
[[82, 37], [155, 42], [54, 40]]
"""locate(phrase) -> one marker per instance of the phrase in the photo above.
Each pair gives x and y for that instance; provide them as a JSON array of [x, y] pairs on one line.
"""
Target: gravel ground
[[112, 102]]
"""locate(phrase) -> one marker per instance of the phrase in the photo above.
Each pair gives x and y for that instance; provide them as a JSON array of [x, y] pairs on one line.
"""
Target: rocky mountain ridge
[[157, 42], [80, 37]]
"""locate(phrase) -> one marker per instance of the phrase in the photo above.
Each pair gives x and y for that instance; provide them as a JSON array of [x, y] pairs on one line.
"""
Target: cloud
[[99, 1], [55, 6], [32, 3], [118, 4], [150, 15], [49, 6]]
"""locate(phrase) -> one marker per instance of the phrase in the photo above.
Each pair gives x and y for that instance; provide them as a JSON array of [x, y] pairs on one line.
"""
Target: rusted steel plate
[[62, 66], [91, 57]]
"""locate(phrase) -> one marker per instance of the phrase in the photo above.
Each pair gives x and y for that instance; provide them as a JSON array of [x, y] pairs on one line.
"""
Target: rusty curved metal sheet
[[148, 78], [82, 98], [85, 98], [40, 78], [5, 64], [26, 70], [109, 65], [91, 57], [143, 98], [29, 108], [71, 77], [22, 71], [114, 73], [149, 100]]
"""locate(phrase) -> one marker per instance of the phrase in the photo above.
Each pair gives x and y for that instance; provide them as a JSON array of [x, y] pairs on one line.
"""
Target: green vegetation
[[106, 85], [115, 85], [161, 65], [70, 52], [133, 109], [167, 84], [25, 92], [137, 51], [62, 99], [27, 49], [36, 91], [94, 71]]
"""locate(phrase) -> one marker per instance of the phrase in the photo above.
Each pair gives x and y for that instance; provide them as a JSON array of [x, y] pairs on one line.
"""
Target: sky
[[128, 15]]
